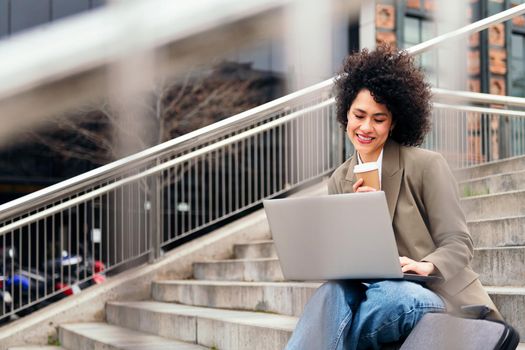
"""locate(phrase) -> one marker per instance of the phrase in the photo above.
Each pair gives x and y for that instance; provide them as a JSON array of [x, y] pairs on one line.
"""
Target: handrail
[[468, 29], [477, 97], [481, 110], [195, 136], [159, 168], [233, 122], [207, 149]]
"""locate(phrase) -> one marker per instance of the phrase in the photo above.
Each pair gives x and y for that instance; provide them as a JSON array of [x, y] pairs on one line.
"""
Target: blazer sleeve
[[447, 222]]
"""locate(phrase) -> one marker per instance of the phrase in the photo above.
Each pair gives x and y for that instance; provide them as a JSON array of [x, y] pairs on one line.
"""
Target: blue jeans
[[350, 315]]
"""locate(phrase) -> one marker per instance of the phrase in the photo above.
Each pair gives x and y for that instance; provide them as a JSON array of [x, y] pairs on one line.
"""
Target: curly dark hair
[[393, 80]]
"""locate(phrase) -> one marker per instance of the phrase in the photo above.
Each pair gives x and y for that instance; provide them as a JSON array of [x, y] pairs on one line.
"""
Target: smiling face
[[369, 124]]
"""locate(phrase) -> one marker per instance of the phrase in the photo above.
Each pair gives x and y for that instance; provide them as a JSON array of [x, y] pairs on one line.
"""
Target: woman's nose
[[366, 125]]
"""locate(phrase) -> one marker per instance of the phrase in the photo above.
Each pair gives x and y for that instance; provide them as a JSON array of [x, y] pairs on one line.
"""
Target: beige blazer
[[427, 218]]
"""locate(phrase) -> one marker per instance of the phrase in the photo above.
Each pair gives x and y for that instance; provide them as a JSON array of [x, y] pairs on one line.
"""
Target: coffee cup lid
[[364, 167]]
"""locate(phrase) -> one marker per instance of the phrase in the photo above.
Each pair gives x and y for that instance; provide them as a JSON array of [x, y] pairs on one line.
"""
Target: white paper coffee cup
[[369, 172]]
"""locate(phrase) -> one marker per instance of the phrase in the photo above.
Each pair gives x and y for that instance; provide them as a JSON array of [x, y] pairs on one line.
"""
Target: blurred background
[[84, 86]]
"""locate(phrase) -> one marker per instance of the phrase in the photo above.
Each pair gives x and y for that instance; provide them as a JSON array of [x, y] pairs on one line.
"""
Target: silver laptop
[[345, 236]]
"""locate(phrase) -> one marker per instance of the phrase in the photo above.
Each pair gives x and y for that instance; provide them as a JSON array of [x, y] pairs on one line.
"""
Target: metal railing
[[471, 135], [67, 236], [131, 209]]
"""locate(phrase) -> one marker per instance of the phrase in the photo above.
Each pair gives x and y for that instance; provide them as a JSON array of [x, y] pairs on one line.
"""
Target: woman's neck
[[366, 158]]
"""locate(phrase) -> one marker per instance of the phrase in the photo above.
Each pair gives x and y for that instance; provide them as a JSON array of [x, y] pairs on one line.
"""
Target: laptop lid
[[345, 236]]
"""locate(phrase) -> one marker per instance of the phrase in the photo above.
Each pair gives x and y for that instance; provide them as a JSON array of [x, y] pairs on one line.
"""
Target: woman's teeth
[[364, 138]]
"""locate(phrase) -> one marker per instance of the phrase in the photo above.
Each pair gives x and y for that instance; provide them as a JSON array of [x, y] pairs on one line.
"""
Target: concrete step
[[289, 298], [501, 232], [509, 231], [492, 168], [267, 269], [87, 336], [285, 298], [222, 329], [493, 184], [511, 303], [494, 206], [255, 250], [500, 266], [496, 266]]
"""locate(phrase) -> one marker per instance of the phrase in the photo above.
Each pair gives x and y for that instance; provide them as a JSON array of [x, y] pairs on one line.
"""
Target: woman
[[383, 102]]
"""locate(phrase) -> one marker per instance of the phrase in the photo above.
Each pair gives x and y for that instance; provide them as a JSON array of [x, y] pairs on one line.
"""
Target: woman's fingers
[[403, 260], [420, 267], [358, 187], [366, 189], [357, 184]]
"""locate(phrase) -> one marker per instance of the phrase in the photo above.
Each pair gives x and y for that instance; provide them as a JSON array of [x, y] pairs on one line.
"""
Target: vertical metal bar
[[236, 172], [230, 179], [268, 174], [216, 178], [304, 148], [45, 254], [121, 215], [20, 263], [175, 212], [275, 172], [154, 218], [196, 211], [223, 178], [249, 170], [191, 193], [242, 169], [279, 157], [115, 218], [286, 150], [107, 260], [37, 257], [183, 197], [29, 248], [256, 174], [169, 210], [4, 272], [101, 228], [210, 186], [53, 257], [13, 265], [202, 206], [298, 150], [92, 236], [138, 215], [142, 189], [131, 228]]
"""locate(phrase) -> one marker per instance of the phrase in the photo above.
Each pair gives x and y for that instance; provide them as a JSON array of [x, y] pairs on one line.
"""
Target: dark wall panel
[[63, 8], [28, 13], [4, 18]]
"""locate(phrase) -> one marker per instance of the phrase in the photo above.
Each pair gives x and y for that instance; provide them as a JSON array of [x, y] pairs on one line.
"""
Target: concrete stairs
[[244, 303]]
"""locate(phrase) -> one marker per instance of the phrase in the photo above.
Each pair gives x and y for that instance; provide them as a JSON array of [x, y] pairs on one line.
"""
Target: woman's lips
[[364, 139]]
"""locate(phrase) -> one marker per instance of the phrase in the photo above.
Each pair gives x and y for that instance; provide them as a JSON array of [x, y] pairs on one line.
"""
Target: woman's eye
[[358, 116], [379, 121]]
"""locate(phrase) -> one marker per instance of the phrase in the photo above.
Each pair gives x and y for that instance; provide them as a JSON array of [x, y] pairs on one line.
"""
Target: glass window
[[517, 65], [415, 31], [412, 31]]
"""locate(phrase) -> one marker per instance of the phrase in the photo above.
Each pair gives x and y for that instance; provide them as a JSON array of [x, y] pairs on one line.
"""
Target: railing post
[[155, 219]]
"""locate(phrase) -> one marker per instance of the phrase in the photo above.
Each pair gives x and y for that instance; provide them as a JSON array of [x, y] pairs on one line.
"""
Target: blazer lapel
[[391, 175], [349, 179]]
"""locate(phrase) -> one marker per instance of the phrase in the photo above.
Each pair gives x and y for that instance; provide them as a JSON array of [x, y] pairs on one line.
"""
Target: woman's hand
[[358, 187], [420, 267]]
